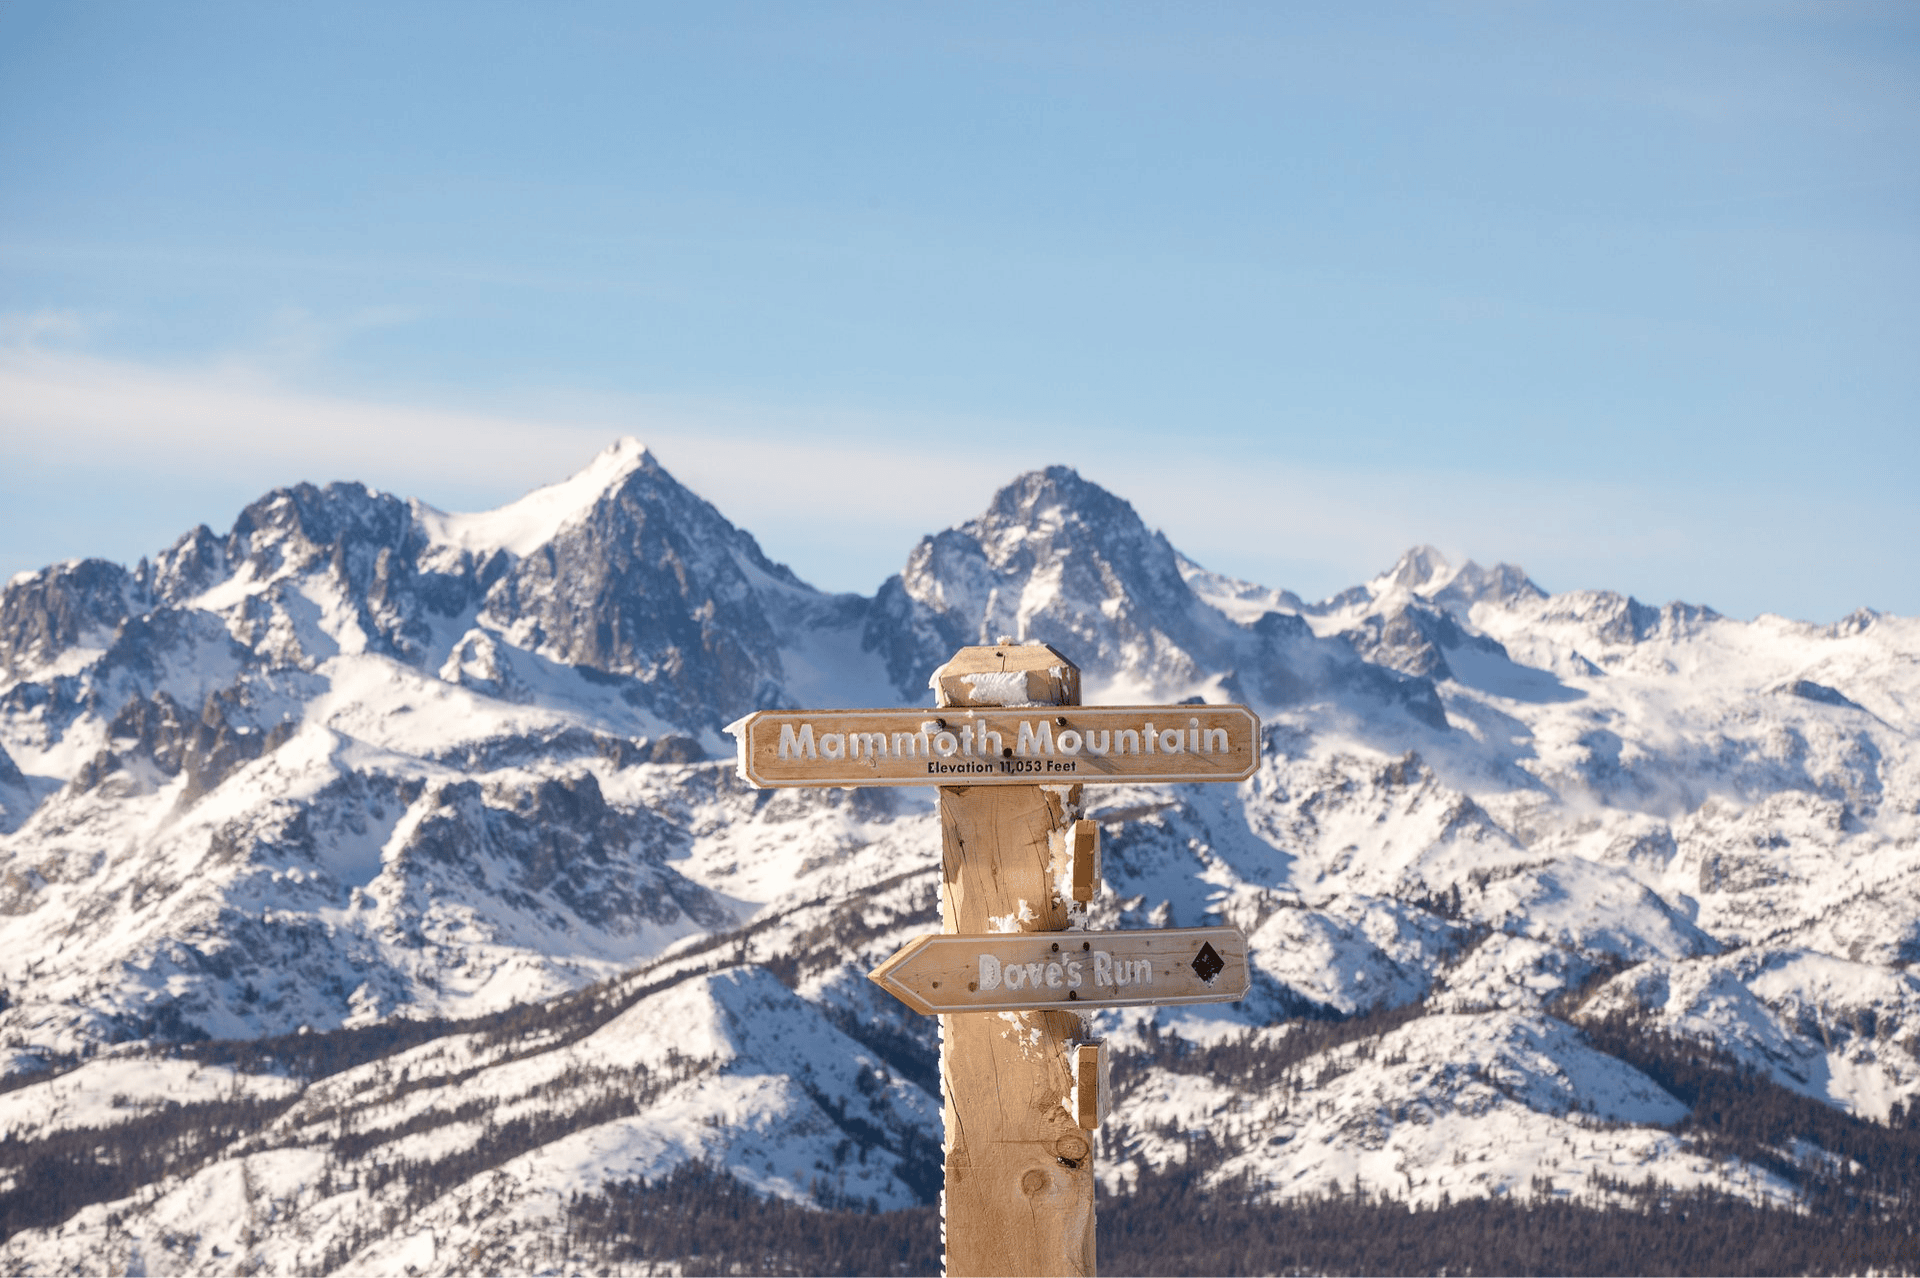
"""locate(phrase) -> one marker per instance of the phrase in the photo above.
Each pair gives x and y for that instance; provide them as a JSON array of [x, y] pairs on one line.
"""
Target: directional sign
[[1038, 745], [1067, 971]]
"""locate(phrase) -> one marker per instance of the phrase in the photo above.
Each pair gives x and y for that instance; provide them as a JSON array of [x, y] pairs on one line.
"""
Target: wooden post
[[1019, 1167]]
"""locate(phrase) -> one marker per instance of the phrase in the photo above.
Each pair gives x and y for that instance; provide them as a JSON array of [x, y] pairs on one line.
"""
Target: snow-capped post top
[[1007, 674], [1046, 745]]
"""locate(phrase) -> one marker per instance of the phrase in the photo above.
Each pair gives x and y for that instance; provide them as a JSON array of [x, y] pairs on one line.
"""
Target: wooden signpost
[[1023, 1086]]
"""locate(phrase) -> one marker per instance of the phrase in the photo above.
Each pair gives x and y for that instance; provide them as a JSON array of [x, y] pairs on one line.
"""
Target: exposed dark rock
[[653, 582], [1505, 584], [369, 543], [1621, 619], [208, 747], [523, 749], [1115, 599], [1417, 569], [1414, 639], [188, 567], [49, 611], [143, 645], [1811, 691], [16, 801], [675, 749], [1415, 694], [560, 844]]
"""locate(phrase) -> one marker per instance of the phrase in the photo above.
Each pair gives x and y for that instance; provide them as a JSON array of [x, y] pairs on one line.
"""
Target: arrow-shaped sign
[[1067, 971]]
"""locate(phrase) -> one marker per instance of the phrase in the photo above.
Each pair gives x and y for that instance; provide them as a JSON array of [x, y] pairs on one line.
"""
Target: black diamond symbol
[[1208, 963]]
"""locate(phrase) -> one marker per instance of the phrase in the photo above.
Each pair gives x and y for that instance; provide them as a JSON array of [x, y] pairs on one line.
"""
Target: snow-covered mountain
[[442, 801]]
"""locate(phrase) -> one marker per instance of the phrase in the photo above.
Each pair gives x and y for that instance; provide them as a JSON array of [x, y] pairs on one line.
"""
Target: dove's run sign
[[1067, 971], [1045, 745]]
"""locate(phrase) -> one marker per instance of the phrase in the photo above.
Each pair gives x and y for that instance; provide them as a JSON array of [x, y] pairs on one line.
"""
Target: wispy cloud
[[57, 406], [34, 329]]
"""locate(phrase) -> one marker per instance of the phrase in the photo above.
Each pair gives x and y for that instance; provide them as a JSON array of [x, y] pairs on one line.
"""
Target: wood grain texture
[[1019, 1168]]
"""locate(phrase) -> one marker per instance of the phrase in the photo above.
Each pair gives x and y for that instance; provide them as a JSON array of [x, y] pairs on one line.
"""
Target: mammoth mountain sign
[[1060, 745]]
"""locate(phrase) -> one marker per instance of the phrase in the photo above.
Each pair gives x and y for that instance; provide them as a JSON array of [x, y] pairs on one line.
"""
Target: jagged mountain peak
[[1614, 618], [289, 529], [1057, 558], [1504, 584], [1426, 574], [523, 525], [650, 580], [1055, 515], [294, 529], [46, 613], [1060, 560], [1051, 497], [641, 489], [620, 569], [1420, 571], [320, 514]]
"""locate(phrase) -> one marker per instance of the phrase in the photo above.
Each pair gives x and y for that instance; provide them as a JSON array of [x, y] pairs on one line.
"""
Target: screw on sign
[[1022, 1085]]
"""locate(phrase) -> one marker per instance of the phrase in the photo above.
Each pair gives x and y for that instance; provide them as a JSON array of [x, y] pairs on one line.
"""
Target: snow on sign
[[1067, 971], [1058, 745]]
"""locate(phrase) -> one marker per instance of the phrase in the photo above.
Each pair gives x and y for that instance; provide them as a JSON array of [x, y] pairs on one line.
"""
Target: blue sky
[[1629, 294]]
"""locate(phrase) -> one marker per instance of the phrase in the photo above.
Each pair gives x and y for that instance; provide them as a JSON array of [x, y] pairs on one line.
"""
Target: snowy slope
[[729, 1068], [346, 760]]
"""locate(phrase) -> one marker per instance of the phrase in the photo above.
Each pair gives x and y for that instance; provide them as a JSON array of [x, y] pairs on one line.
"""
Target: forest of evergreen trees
[[1862, 1208], [710, 1224], [51, 1178]]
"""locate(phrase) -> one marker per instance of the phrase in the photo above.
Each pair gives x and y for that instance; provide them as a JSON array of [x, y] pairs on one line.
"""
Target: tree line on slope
[[50, 1178], [1841, 1166], [707, 1222], [1172, 1222], [1860, 1191]]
